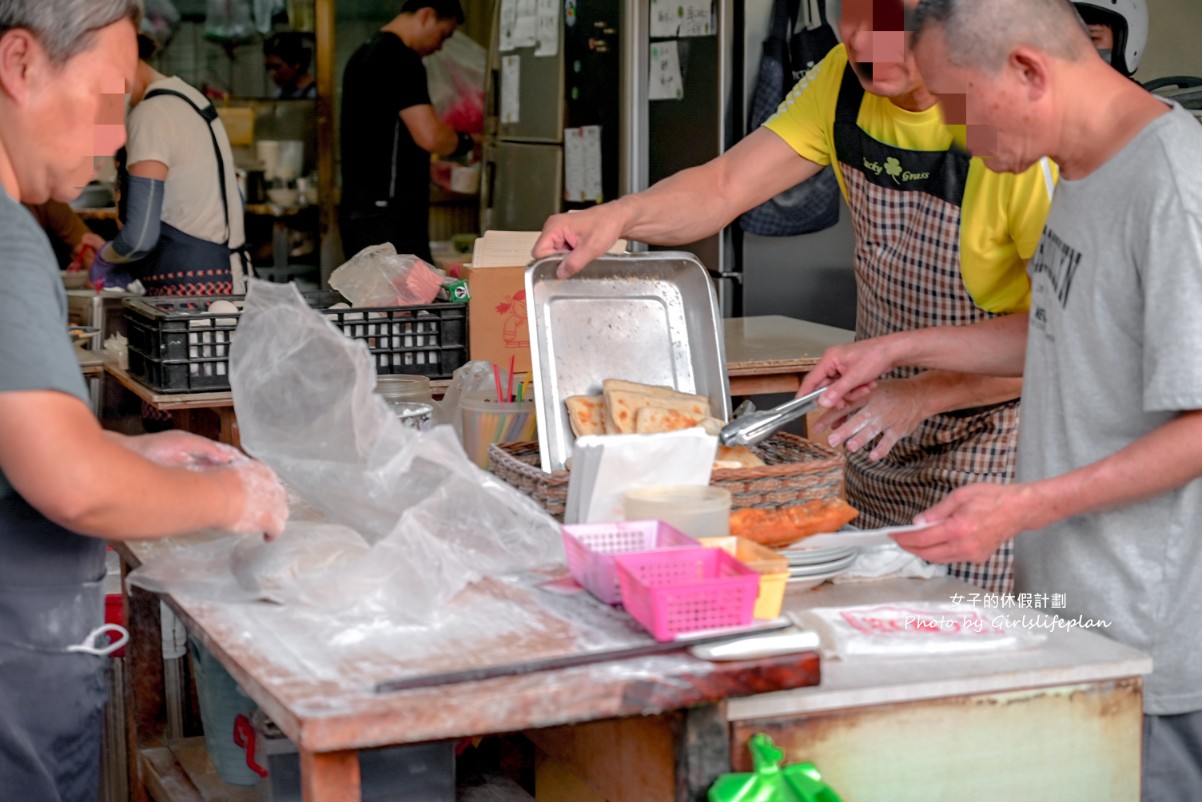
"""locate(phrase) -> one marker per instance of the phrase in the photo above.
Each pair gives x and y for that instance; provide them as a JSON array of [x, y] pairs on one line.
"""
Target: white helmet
[[1129, 21]]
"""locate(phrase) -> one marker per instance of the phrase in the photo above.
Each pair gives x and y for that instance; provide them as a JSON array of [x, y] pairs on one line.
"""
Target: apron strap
[[851, 94], [209, 115]]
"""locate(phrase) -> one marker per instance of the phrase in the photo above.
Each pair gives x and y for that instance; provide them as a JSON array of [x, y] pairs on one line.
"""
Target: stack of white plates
[[811, 567]]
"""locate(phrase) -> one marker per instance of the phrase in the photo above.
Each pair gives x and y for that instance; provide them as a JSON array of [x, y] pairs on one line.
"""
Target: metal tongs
[[755, 426]]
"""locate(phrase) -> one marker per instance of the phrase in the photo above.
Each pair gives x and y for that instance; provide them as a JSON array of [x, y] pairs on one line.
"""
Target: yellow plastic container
[[772, 567]]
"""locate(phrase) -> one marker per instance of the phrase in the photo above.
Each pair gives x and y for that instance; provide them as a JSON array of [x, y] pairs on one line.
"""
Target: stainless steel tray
[[644, 317]]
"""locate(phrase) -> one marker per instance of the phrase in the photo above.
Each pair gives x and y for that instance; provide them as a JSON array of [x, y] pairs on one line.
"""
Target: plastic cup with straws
[[507, 417]]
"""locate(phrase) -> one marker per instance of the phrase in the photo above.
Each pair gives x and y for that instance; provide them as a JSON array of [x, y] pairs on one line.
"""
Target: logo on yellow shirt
[[893, 168]]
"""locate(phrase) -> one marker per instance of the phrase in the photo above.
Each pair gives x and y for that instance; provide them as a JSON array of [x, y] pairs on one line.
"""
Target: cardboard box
[[497, 324]]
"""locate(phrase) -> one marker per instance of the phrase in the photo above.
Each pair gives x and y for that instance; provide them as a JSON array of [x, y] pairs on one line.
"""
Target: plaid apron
[[906, 208]]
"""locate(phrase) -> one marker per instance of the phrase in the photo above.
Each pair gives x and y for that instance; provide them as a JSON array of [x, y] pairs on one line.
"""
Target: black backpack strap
[[209, 115], [781, 25], [822, 12]]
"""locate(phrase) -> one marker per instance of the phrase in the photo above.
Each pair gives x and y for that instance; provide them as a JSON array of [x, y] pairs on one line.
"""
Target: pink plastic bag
[[379, 276], [455, 76]]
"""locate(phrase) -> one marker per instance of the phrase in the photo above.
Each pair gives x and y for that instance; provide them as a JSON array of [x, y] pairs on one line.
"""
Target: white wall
[[1174, 39]]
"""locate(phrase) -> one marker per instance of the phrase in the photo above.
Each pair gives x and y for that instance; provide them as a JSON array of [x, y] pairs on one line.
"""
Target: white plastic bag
[[434, 521], [455, 77], [919, 628], [379, 276], [228, 20], [474, 378]]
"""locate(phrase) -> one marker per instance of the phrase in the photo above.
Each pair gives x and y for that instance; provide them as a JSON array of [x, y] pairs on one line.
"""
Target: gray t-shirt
[[1113, 354], [35, 348]]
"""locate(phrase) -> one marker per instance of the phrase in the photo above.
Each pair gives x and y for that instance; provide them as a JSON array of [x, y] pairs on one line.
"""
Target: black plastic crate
[[177, 346]]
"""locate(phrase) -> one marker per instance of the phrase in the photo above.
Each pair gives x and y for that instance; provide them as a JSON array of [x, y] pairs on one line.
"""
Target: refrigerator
[[615, 52], [553, 117]]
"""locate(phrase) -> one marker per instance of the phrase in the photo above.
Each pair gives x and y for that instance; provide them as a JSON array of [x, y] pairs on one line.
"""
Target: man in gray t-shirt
[[1112, 358], [1108, 507]]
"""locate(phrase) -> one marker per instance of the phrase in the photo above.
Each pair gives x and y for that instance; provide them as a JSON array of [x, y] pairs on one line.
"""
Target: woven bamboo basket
[[794, 471]]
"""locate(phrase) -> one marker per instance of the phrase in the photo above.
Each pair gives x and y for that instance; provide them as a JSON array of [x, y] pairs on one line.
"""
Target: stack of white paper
[[605, 467]]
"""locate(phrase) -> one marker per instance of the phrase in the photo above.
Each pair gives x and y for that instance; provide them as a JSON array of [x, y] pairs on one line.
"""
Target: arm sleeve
[[151, 131], [1029, 205], [1170, 260], [413, 88], [805, 118], [405, 81], [61, 221], [143, 212], [35, 350]]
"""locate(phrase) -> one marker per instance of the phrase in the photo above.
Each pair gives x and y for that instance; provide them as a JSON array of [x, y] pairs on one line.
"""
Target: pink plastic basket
[[590, 549], [685, 590]]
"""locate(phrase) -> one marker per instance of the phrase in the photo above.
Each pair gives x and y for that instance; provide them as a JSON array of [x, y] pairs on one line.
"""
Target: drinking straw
[[521, 389], [509, 386], [496, 374]]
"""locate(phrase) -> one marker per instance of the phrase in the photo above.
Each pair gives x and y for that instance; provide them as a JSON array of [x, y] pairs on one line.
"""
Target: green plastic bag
[[770, 782]]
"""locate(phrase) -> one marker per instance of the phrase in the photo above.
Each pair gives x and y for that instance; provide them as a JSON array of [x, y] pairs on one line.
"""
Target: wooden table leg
[[228, 423], [329, 776], [144, 693], [182, 418]]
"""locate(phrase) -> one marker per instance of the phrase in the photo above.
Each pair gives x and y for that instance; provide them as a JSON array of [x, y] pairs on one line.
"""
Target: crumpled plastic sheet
[[430, 520], [904, 629], [473, 378], [379, 276]]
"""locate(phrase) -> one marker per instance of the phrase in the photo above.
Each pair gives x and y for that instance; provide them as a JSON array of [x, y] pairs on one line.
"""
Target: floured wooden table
[[317, 676]]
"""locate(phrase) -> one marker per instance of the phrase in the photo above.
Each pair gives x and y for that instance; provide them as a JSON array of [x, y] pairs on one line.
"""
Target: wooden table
[[183, 406], [321, 693], [773, 353]]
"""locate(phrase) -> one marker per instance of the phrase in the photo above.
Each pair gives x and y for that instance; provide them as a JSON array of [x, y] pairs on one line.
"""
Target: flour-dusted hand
[[889, 409], [178, 449], [583, 236], [264, 500]]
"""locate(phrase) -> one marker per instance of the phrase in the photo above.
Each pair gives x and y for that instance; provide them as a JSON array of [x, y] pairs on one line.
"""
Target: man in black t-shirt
[[389, 129]]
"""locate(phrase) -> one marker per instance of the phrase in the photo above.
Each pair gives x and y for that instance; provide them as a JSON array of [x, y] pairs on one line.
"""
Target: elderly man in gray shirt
[[1108, 507]]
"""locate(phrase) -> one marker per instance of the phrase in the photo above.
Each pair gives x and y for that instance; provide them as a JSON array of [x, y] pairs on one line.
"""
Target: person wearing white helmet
[[1118, 30]]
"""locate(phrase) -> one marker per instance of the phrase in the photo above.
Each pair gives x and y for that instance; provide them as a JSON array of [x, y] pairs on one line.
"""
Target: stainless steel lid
[[644, 317]]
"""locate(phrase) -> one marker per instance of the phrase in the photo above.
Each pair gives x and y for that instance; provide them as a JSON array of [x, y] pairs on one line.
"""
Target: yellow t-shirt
[[1002, 214]]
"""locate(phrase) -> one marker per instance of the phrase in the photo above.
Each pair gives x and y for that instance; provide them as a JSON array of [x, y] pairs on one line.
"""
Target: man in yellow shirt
[[940, 240]]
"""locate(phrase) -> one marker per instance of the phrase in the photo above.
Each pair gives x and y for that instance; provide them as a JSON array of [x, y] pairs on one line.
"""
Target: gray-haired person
[[1107, 509], [64, 481]]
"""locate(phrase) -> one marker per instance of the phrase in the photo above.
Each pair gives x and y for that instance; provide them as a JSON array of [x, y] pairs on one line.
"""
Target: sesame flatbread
[[586, 414]]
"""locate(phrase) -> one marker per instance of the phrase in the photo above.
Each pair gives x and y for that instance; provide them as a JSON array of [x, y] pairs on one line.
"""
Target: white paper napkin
[[605, 467], [880, 562]]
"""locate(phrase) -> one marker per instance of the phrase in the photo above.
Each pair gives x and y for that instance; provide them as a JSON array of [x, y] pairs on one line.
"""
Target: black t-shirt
[[380, 160]]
